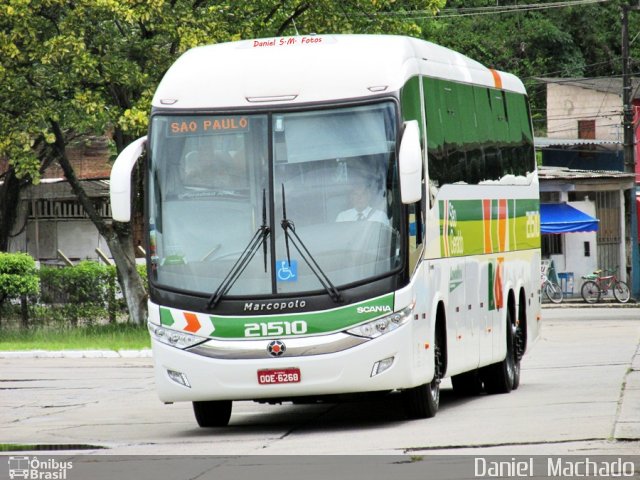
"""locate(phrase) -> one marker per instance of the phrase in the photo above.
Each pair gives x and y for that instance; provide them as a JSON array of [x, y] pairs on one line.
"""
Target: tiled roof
[[546, 142], [563, 173]]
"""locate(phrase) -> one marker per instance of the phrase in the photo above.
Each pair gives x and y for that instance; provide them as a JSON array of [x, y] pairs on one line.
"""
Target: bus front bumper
[[182, 375]]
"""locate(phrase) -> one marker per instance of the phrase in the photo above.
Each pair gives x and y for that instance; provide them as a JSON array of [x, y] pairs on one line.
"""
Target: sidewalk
[[576, 301], [144, 353]]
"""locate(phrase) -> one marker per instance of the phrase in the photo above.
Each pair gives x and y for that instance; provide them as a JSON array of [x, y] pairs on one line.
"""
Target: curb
[[145, 353], [582, 304]]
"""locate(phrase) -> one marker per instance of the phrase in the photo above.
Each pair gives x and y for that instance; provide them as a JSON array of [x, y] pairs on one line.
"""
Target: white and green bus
[[332, 215]]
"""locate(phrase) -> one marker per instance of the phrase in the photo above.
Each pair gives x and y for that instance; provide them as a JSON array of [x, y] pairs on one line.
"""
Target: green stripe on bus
[[464, 230], [315, 322]]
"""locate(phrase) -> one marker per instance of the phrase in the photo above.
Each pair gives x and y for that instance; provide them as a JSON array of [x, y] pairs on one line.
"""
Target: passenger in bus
[[361, 195]]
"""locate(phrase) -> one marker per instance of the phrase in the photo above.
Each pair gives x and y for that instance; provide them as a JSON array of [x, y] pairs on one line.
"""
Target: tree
[[573, 41], [72, 68]]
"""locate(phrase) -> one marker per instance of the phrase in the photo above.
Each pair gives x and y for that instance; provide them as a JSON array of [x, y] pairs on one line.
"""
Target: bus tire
[[423, 401], [467, 384], [504, 376], [215, 413]]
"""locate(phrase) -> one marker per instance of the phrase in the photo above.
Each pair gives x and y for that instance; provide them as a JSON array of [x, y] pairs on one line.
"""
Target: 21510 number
[[266, 329]]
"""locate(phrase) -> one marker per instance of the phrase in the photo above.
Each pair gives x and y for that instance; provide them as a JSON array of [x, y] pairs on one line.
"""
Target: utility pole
[[629, 145], [629, 158]]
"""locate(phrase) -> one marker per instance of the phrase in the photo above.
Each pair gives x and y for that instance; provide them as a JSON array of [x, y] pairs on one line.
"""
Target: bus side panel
[[483, 193]]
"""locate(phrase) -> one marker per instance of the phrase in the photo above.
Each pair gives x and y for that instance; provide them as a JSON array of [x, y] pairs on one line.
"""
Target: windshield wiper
[[259, 238], [290, 235]]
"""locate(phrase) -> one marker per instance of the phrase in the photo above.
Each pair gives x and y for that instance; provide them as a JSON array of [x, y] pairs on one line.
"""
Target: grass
[[97, 337]]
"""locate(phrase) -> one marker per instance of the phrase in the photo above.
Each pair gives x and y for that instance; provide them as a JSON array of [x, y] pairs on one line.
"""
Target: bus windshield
[[216, 180]]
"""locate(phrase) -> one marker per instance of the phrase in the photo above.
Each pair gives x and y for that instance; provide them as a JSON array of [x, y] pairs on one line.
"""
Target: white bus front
[[278, 255]]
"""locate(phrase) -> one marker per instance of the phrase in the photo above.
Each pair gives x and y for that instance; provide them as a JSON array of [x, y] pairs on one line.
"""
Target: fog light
[[381, 366], [179, 377]]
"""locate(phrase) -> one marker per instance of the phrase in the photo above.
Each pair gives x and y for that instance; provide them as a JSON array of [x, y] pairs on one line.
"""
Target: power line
[[589, 65], [490, 10], [586, 116]]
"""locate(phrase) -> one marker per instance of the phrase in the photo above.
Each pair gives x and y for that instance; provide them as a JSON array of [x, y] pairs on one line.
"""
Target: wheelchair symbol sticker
[[287, 272]]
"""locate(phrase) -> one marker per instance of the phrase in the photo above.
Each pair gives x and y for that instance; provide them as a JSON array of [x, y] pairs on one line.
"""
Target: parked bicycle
[[552, 290], [597, 285]]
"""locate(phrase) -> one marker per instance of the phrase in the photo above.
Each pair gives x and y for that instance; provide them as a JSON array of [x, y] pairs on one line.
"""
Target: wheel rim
[[519, 345], [590, 292], [554, 293], [511, 361], [434, 386], [435, 391], [621, 292]]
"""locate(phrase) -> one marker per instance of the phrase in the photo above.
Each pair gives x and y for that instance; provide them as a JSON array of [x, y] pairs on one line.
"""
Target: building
[[585, 142], [50, 220], [600, 195]]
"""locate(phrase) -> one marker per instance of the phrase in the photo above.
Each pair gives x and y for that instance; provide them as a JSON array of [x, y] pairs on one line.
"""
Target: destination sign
[[203, 125]]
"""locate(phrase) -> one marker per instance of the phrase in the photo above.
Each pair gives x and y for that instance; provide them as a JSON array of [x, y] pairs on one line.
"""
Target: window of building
[[551, 245], [587, 129]]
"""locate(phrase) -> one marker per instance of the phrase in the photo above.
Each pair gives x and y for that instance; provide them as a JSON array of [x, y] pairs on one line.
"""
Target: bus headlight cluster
[[382, 325], [175, 338]]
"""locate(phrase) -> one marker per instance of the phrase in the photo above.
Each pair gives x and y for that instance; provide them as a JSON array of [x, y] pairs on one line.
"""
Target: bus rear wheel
[[504, 376], [215, 413]]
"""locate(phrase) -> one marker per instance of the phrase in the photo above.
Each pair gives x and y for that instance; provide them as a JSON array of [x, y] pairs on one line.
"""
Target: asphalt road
[[580, 393]]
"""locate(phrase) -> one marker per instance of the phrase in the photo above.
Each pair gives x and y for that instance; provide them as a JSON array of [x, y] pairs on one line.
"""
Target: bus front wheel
[[215, 413], [423, 401]]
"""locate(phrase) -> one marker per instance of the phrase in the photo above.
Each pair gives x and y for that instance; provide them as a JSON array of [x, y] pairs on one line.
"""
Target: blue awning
[[563, 218]]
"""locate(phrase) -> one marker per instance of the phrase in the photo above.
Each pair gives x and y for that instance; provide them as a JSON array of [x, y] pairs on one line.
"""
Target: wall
[[566, 104], [77, 239]]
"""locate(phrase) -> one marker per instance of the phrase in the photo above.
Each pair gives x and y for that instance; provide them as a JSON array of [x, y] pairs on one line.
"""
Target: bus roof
[[312, 68]]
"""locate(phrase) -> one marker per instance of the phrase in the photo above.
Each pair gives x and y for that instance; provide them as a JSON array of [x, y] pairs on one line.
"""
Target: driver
[[361, 195]]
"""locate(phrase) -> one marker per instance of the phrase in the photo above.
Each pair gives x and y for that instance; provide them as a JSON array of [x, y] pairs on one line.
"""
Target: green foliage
[[93, 66], [83, 283], [18, 276], [142, 271], [85, 292]]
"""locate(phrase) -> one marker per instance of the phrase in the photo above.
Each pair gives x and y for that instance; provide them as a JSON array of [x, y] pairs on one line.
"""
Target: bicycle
[[552, 290], [597, 284]]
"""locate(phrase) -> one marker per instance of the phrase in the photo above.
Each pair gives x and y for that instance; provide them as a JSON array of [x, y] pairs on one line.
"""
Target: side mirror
[[410, 163], [120, 182]]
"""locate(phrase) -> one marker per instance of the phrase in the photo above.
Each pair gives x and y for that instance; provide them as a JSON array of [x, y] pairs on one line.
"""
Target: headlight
[[383, 325], [175, 338]]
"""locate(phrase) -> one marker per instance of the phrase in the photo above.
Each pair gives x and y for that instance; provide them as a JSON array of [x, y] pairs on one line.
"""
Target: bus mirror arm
[[410, 163], [120, 180]]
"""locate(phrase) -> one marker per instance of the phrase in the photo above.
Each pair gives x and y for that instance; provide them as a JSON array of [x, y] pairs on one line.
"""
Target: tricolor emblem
[[196, 323]]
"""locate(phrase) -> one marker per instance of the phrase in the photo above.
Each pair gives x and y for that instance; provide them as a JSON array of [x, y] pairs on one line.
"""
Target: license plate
[[281, 375]]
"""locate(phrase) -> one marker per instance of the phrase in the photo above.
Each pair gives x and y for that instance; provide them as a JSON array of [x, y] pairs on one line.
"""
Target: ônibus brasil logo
[[35, 469]]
